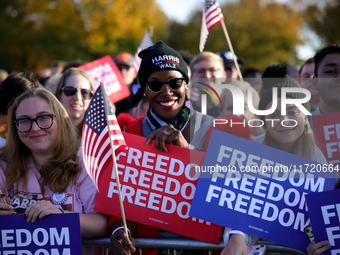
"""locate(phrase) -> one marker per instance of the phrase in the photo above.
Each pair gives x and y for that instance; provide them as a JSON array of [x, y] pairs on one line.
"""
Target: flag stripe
[[96, 147], [212, 16]]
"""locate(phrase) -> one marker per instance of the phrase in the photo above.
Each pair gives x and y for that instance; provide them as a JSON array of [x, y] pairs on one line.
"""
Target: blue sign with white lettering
[[324, 212], [257, 189], [53, 234]]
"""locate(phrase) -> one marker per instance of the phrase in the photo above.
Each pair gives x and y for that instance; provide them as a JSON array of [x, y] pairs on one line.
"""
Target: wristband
[[114, 231], [231, 232], [61, 210]]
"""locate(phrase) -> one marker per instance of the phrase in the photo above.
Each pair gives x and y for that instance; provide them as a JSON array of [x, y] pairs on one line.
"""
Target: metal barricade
[[184, 244]]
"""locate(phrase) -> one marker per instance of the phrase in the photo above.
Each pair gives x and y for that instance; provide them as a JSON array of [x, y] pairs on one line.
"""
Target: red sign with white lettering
[[157, 188], [327, 133], [105, 70]]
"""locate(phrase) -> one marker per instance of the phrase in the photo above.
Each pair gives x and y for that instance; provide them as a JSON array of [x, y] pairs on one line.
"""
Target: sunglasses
[[157, 86], [71, 91]]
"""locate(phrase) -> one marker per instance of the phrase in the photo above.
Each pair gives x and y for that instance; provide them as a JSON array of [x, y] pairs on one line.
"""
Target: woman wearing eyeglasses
[[75, 92], [40, 172], [163, 76]]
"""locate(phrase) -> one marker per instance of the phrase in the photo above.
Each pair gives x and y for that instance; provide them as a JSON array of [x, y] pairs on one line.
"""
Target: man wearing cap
[[229, 64], [123, 61]]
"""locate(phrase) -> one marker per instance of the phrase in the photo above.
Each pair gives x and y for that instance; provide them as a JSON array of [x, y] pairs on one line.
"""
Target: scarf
[[179, 122]]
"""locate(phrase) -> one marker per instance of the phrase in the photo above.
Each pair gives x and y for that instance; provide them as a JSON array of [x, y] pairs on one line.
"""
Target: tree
[[262, 32], [35, 32], [323, 19]]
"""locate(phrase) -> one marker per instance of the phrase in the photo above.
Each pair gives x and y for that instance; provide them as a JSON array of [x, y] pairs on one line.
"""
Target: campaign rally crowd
[[42, 116]]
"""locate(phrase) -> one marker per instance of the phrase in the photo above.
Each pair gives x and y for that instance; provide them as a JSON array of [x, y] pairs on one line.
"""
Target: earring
[[144, 95]]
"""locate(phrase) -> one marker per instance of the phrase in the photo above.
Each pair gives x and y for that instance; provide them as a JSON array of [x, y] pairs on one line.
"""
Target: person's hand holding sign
[[40, 209], [318, 248], [167, 134]]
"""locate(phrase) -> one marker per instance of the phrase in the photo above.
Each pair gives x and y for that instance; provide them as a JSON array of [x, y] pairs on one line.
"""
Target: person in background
[[327, 83], [124, 62], [306, 74], [75, 92], [52, 82], [326, 80], [297, 140], [226, 109], [3, 74], [40, 170], [229, 65], [187, 56], [293, 71], [57, 66], [74, 63], [10, 88], [253, 77], [207, 68], [139, 107]]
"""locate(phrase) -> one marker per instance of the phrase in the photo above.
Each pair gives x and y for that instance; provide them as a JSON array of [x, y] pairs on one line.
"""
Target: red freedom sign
[[105, 70], [327, 133], [157, 189]]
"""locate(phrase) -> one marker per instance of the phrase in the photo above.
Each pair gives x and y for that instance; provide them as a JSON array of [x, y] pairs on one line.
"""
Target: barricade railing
[[184, 244]]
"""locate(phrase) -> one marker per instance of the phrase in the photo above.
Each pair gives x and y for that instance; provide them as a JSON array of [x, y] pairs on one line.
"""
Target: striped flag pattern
[[212, 16], [96, 148], [146, 43]]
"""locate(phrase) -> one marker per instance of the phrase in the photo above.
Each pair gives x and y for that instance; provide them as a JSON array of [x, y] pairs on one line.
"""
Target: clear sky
[[180, 10]]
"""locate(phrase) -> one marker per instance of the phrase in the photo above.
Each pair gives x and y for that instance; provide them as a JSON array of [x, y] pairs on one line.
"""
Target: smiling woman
[[163, 76], [40, 171], [75, 92], [291, 132]]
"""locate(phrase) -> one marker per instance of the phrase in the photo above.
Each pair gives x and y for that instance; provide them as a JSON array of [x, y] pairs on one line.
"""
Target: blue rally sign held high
[[258, 189], [53, 234]]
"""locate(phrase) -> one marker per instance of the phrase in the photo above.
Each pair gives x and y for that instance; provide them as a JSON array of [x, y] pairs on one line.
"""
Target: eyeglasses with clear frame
[[44, 121]]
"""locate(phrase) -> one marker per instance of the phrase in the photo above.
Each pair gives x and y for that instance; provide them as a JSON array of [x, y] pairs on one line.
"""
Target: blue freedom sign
[[324, 211], [54, 234], [258, 189]]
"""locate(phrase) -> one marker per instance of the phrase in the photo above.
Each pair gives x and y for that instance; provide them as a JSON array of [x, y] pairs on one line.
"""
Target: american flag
[[212, 15], [96, 148], [146, 43]]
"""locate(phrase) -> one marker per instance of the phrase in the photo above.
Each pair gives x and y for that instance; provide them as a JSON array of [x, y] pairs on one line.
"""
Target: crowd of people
[[41, 166]]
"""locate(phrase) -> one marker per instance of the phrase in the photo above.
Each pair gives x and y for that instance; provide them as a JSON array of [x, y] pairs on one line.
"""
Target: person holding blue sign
[[294, 136], [40, 171]]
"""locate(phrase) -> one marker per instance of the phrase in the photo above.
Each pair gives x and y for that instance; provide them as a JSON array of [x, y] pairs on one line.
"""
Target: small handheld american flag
[[96, 147], [212, 16], [146, 43]]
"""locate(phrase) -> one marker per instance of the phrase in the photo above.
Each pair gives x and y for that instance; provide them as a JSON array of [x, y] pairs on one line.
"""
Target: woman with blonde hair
[[40, 170], [291, 132], [75, 92]]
